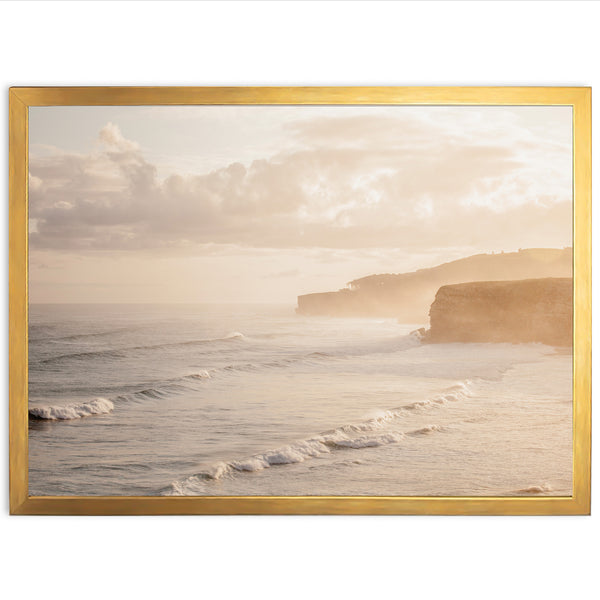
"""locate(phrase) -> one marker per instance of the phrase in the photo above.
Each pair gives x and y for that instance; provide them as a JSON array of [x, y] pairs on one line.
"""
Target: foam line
[[341, 438], [99, 406]]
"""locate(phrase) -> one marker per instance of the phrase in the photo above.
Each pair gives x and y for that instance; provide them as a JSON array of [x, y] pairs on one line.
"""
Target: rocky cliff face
[[407, 296], [530, 310]]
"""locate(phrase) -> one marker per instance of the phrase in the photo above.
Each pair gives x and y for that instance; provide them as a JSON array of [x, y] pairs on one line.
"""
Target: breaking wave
[[99, 406], [342, 438]]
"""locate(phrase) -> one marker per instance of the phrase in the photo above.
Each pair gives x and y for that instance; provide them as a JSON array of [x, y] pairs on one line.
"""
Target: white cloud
[[111, 136], [359, 181]]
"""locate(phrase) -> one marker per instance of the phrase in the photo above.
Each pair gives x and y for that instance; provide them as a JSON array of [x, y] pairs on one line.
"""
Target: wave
[[66, 412], [231, 336], [341, 438], [395, 344], [122, 352], [101, 406], [201, 375], [165, 387], [287, 455], [162, 388], [535, 489], [83, 336]]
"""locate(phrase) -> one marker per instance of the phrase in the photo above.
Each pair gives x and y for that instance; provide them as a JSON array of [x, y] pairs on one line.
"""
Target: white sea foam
[[294, 453], [324, 443], [99, 406], [454, 393], [535, 489], [234, 335], [104, 405], [426, 430], [369, 441], [200, 375]]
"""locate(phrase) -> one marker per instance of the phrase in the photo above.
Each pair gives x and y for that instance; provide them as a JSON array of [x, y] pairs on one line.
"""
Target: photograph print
[[264, 300]]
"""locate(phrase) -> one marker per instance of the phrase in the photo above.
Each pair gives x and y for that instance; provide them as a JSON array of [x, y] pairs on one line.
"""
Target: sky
[[263, 203]]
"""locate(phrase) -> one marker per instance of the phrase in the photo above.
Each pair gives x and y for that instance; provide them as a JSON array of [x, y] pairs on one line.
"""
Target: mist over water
[[253, 400]]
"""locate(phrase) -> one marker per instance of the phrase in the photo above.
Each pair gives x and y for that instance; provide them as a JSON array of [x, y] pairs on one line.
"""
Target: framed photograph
[[300, 300]]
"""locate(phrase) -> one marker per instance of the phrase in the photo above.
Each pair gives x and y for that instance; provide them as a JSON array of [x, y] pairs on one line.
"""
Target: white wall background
[[338, 43]]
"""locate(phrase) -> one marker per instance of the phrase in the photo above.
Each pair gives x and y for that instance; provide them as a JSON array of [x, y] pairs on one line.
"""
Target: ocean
[[256, 400]]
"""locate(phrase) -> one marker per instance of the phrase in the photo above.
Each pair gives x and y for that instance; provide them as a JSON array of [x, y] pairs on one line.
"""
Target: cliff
[[532, 310], [406, 296]]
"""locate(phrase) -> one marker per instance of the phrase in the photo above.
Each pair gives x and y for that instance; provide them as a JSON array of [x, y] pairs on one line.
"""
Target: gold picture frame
[[21, 98]]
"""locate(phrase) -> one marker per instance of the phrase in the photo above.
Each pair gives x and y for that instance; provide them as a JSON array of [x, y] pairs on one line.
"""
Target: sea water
[[256, 400]]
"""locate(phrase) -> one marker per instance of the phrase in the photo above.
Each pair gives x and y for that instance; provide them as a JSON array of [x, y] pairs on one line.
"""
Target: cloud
[[359, 181], [111, 136]]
